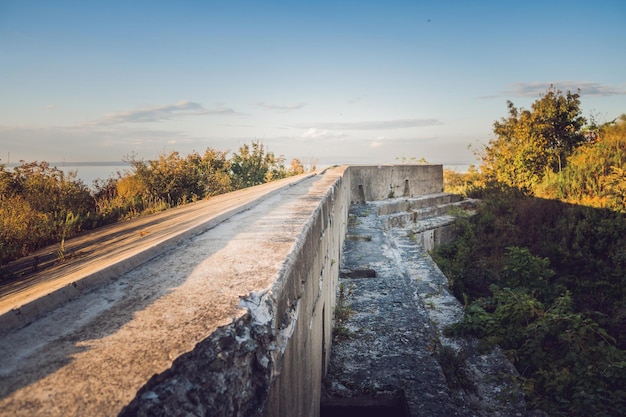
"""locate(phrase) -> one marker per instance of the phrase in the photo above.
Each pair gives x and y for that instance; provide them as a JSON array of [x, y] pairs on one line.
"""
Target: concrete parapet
[[371, 183], [271, 360], [234, 321]]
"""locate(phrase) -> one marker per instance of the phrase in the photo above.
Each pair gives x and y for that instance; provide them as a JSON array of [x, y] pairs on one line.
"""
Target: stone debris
[[393, 340]]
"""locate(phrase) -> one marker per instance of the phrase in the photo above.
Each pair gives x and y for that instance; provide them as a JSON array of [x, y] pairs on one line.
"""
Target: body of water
[[461, 168], [88, 173]]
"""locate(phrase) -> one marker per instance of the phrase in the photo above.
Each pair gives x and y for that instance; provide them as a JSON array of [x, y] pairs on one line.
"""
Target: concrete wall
[[371, 183], [270, 361], [278, 371], [312, 278], [236, 321]]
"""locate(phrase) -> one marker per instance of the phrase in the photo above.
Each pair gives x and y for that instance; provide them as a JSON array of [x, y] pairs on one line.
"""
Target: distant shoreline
[[90, 171], [78, 164], [122, 163]]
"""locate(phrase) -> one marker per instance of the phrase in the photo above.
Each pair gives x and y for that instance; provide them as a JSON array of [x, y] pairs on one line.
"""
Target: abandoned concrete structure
[[236, 319]]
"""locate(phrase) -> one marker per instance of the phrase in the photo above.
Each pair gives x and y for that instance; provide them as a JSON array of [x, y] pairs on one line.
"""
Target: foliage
[[464, 183], [343, 312], [252, 165], [546, 279], [547, 282], [296, 167], [22, 228], [36, 201], [530, 143], [595, 174], [177, 180], [41, 205], [47, 189]]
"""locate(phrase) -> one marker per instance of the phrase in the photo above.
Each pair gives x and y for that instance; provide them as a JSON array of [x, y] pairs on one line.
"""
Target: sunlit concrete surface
[[109, 251], [91, 355]]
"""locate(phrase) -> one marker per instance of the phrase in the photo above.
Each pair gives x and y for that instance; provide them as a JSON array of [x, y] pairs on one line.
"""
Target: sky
[[331, 82]]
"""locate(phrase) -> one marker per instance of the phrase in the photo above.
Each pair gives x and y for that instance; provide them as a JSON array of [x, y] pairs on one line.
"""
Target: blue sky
[[332, 81]]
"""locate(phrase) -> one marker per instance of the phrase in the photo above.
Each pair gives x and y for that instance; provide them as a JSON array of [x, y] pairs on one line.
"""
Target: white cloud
[[280, 107], [380, 124], [377, 143], [314, 133], [159, 113], [587, 88]]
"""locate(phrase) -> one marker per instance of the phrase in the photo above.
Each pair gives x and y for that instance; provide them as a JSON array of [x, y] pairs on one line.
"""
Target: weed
[[352, 220], [70, 221], [454, 368], [342, 332], [342, 313]]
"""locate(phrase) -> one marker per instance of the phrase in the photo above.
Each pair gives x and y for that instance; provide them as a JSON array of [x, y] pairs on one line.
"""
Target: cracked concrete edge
[[228, 373], [237, 367], [27, 313]]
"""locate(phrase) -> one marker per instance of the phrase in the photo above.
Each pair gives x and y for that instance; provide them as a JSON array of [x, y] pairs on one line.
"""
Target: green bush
[[546, 281]]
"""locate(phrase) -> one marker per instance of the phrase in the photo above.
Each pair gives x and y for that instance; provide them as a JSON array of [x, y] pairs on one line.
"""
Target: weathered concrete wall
[[270, 361], [371, 183], [312, 278], [237, 321]]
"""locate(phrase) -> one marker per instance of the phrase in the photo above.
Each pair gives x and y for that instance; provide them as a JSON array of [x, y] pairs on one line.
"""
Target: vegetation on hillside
[[541, 267], [41, 205], [595, 174]]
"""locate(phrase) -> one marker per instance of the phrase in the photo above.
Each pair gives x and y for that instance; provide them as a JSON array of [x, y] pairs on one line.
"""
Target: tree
[[560, 122], [296, 167], [251, 165], [530, 143], [214, 171], [594, 174]]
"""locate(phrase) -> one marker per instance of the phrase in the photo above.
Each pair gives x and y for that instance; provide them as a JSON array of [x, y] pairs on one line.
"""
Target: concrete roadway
[[44, 283]]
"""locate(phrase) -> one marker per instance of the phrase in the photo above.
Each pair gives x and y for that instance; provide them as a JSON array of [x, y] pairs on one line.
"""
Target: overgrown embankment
[[541, 267], [546, 281]]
